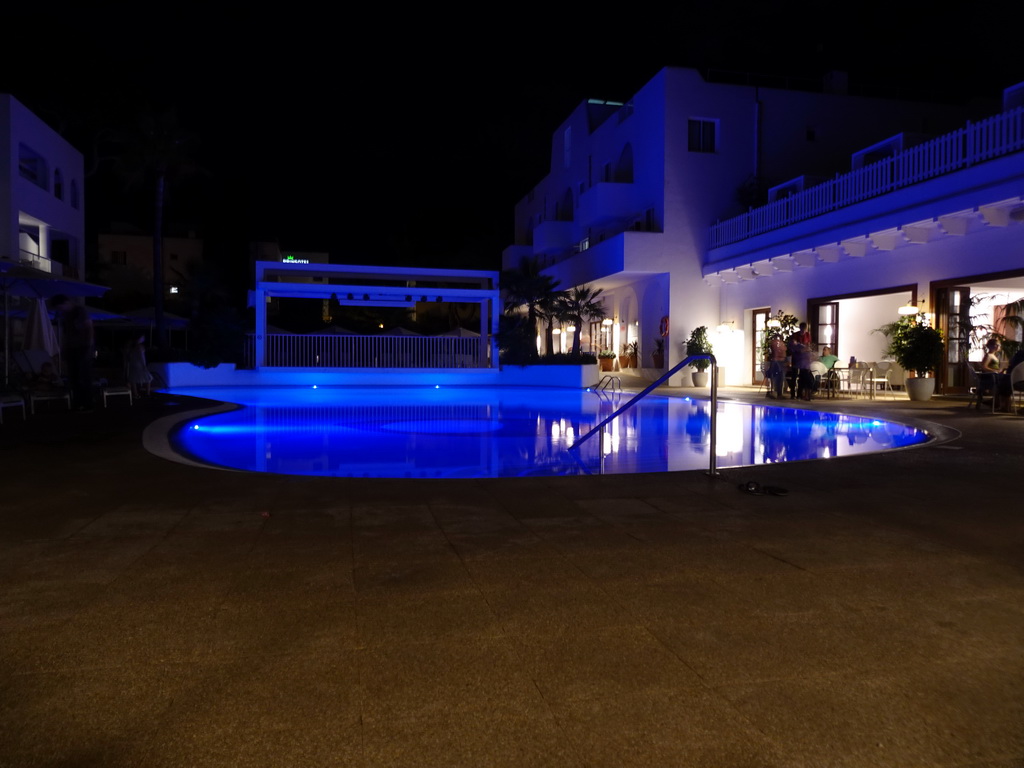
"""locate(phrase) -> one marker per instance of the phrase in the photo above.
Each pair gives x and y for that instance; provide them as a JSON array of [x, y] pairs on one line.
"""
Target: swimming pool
[[470, 432]]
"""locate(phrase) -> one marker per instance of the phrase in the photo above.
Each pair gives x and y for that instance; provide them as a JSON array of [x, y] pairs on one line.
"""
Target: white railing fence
[[351, 351], [975, 143]]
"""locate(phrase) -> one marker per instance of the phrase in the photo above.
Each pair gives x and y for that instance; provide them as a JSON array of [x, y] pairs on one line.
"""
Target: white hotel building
[[872, 203], [42, 218]]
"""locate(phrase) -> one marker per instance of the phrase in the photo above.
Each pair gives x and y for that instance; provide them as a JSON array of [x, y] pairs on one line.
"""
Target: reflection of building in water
[[423, 433]]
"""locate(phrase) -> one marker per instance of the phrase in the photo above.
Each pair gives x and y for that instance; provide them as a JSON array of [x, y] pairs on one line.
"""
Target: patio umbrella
[[39, 333], [145, 318], [462, 333], [19, 280], [334, 330], [399, 331]]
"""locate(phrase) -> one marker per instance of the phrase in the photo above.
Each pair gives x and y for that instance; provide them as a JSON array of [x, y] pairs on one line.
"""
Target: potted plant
[[607, 359], [632, 353], [624, 361], [658, 355], [698, 344], [918, 348]]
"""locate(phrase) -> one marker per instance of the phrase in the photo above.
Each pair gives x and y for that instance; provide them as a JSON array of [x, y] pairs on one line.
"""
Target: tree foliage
[[578, 305]]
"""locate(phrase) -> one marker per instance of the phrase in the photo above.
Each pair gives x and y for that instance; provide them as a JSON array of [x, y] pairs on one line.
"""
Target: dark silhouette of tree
[[528, 288], [156, 152]]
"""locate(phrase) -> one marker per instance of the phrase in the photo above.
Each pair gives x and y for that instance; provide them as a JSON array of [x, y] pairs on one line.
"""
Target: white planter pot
[[700, 379], [919, 388]]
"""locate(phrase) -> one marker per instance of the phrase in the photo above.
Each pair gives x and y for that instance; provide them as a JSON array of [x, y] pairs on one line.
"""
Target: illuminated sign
[[293, 260]]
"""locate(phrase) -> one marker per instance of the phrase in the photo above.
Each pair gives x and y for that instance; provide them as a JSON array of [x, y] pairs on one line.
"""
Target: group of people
[[790, 359], [79, 354], [991, 366]]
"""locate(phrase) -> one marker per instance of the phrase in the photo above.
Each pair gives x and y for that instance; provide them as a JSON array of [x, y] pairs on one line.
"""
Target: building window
[[32, 166], [58, 185], [119, 257], [74, 194], [702, 135]]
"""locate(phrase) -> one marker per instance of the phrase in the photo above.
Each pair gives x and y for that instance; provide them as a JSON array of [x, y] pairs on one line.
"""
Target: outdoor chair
[[115, 390], [820, 373], [11, 400], [766, 383], [1017, 387], [980, 386], [47, 396], [30, 363], [881, 380]]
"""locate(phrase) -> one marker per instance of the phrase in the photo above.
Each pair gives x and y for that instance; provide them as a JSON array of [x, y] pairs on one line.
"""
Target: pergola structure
[[354, 285]]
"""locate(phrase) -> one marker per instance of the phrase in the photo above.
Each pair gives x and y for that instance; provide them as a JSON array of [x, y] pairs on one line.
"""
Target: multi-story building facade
[[42, 221], [651, 200], [125, 263]]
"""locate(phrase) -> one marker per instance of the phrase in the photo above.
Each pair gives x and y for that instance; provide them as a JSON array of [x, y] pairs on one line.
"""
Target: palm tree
[[551, 312], [579, 304], [157, 151], [528, 287]]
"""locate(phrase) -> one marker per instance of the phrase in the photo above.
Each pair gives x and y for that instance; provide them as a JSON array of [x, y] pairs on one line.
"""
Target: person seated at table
[[991, 369], [47, 379], [1004, 385], [990, 362], [827, 358]]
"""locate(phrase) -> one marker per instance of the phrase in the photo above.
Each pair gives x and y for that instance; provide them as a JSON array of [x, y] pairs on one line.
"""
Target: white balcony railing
[[975, 143], [350, 351]]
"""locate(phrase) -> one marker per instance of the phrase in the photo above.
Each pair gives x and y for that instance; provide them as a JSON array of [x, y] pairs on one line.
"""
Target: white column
[[260, 342]]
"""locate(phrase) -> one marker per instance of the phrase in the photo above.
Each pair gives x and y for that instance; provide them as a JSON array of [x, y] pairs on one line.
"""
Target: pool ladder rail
[[609, 382], [599, 429]]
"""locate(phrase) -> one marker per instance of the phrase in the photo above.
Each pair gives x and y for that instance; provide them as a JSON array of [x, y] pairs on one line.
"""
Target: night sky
[[390, 138]]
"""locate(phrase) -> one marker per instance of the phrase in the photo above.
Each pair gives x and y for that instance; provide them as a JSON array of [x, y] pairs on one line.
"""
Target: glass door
[[953, 319], [825, 326], [760, 320]]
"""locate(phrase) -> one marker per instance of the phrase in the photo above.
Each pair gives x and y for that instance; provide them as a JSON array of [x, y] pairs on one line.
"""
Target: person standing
[[79, 349], [800, 350], [136, 370], [776, 365]]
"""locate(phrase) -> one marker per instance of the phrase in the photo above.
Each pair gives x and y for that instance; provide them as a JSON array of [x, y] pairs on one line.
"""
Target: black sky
[[395, 136]]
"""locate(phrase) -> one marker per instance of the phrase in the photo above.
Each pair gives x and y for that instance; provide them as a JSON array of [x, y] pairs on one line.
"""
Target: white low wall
[[173, 375]]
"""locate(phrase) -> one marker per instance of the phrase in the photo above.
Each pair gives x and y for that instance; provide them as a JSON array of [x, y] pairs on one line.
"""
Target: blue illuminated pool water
[[465, 432]]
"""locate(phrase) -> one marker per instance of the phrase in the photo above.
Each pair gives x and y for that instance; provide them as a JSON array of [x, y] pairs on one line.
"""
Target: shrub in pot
[[918, 348], [658, 355], [699, 344]]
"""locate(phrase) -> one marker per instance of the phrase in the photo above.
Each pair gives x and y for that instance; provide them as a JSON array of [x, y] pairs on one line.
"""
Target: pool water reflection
[[476, 432]]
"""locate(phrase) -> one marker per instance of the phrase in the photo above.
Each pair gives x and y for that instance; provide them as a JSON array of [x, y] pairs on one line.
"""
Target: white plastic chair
[[874, 381], [10, 400], [820, 373]]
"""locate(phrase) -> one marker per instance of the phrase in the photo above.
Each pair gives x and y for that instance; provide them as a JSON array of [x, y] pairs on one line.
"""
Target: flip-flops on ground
[[756, 489]]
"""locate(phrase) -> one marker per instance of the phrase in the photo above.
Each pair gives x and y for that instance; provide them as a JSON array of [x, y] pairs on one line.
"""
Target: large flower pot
[[607, 363], [700, 379], [658, 359], [919, 388]]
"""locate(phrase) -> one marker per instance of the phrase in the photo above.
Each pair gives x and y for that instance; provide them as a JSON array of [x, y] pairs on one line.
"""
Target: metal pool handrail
[[712, 467]]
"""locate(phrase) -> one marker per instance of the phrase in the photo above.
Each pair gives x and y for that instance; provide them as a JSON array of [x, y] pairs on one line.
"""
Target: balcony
[[976, 143], [607, 203], [552, 237], [41, 263]]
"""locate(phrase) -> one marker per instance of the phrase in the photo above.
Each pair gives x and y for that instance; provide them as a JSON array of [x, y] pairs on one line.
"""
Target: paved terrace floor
[[155, 614]]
